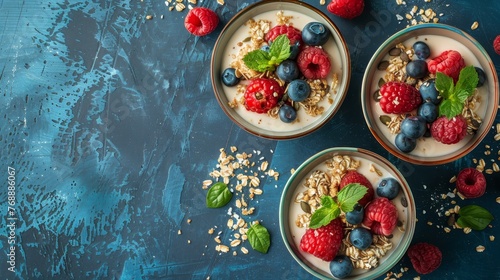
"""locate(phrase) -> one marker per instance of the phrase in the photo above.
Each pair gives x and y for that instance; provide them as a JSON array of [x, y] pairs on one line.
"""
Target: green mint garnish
[[475, 217], [454, 95], [330, 208], [259, 238], [262, 61], [218, 195]]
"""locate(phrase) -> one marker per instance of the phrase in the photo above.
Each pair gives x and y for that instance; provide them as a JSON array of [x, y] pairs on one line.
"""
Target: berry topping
[[294, 50], [201, 21], [405, 144], [389, 188], [287, 70], [323, 242], [429, 92], [262, 94], [381, 216], [448, 62], [314, 63], [496, 44], [417, 69], [449, 131], [360, 238], [341, 266], [356, 177], [413, 127], [287, 113], [428, 111], [481, 76], [293, 34], [298, 90], [355, 216], [424, 257], [229, 77], [471, 183], [421, 49], [315, 34], [399, 97], [348, 9]]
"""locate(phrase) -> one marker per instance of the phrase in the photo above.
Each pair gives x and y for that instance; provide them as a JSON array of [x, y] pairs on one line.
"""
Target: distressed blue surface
[[111, 125]]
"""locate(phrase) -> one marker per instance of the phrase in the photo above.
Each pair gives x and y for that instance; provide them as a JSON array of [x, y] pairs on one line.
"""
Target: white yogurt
[[428, 146], [263, 120]]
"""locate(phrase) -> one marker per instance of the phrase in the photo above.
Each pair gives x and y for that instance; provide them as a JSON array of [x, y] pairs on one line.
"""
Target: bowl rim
[[477, 138], [346, 73], [290, 187]]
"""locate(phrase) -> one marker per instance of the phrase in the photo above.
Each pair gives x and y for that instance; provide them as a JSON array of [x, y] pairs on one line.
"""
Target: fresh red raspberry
[[496, 44], [291, 32], [323, 242], [425, 257], [381, 216], [201, 21], [348, 9], [262, 94], [314, 63], [355, 177], [471, 183], [448, 62], [399, 98], [449, 131]]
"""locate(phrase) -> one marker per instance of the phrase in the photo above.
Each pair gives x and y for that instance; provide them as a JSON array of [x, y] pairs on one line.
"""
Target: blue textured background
[[111, 124]]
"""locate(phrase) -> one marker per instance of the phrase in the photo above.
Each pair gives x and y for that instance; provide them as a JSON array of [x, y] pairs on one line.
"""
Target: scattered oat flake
[[480, 249]]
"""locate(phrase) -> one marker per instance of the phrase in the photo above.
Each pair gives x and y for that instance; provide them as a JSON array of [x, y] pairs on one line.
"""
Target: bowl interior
[[440, 37], [236, 31], [289, 210]]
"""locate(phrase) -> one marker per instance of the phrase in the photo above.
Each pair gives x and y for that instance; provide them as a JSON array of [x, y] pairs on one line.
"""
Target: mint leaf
[[324, 215], [462, 95], [444, 84], [259, 238], [218, 195], [327, 201], [449, 108], [280, 49], [468, 79], [475, 217], [258, 60], [262, 61], [350, 195]]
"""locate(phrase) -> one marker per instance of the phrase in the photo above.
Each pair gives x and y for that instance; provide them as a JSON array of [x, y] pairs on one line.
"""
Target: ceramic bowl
[[439, 37], [290, 209], [226, 47]]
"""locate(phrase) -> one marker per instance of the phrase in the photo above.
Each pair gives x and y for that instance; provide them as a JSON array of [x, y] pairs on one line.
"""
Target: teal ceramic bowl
[[439, 37], [290, 209]]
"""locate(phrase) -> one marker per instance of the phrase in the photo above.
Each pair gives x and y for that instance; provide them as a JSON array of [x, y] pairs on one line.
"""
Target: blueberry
[[413, 127], [341, 266], [389, 188], [287, 70], [265, 48], [229, 77], [298, 90], [287, 113], [481, 75], [360, 238], [405, 144], [429, 111], [421, 50], [294, 50], [429, 92], [417, 69], [356, 215], [315, 34]]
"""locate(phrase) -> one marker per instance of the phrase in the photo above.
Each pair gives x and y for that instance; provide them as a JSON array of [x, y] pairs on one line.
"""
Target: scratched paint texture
[[111, 125]]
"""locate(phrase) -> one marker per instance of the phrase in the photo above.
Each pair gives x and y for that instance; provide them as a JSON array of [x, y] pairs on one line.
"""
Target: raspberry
[[355, 177], [399, 98], [381, 216], [262, 94], [323, 242], [471, 183], [314, 63], [291, 32], [201, 21], [448, 62], [424, 257], [496, 44], [348, 9], [449, 131]]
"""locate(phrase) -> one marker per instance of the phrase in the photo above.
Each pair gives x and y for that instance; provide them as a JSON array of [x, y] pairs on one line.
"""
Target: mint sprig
[[331, 207], [475, 217], [261, 61], [454, 95]]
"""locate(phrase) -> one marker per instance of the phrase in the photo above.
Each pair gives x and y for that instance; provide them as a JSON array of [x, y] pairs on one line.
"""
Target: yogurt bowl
[[439, 38], [375, 168], [236, 36]]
